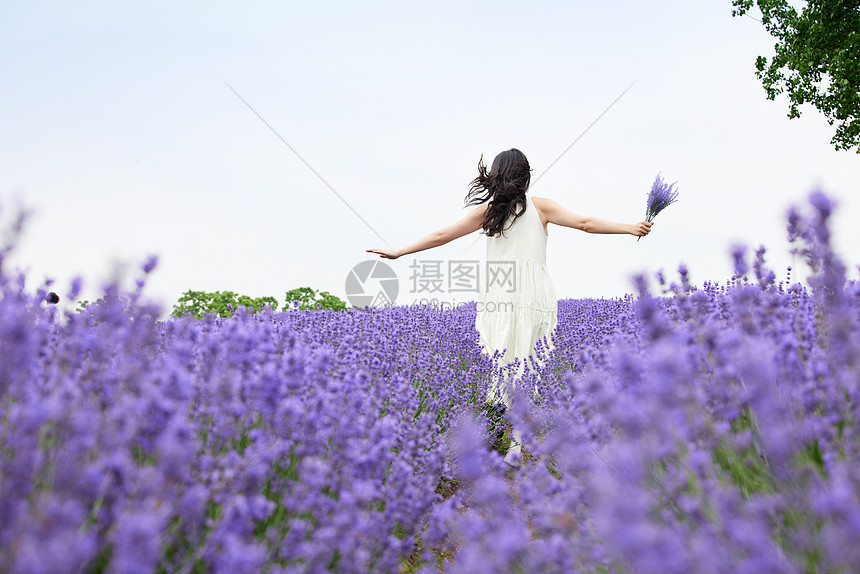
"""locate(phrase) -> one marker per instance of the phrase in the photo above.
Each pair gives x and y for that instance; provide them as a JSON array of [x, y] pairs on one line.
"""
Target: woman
[[517, 305]]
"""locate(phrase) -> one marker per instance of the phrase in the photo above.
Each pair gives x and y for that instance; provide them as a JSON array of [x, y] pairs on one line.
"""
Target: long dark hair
[[504, 186]]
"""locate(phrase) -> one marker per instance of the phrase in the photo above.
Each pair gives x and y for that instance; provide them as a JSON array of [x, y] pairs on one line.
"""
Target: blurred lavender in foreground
[[704, 429], [660, 197]]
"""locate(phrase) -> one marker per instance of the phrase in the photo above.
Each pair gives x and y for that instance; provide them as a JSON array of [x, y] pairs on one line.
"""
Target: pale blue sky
[[118, 130]]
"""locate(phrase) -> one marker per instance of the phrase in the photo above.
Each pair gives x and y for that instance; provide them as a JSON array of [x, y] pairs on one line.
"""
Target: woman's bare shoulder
[[542, 201], [543, 204]]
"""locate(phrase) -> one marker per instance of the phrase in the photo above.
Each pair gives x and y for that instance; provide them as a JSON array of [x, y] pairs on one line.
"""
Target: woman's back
[[524, 238], [517, 304]]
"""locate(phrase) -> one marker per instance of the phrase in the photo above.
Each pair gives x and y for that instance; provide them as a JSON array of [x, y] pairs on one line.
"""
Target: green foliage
[[224, 303], [310, 299], [815, 61]]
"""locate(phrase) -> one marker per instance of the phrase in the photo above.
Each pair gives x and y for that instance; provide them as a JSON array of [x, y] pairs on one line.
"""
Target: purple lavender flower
[[660, 197], [150, 264], [668, 434]]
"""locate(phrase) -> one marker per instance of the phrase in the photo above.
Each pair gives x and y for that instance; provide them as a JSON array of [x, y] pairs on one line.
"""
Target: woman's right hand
[[642, 228], [385, 253]]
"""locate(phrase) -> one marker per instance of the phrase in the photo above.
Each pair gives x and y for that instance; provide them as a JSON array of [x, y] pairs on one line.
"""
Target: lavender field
[[709, 428]]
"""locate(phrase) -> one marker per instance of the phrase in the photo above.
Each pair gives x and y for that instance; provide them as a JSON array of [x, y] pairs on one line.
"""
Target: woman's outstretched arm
[[472, 222], [557, 214]]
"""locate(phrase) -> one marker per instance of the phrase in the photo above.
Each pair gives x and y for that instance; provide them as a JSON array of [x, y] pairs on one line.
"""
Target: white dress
[[517, 304]]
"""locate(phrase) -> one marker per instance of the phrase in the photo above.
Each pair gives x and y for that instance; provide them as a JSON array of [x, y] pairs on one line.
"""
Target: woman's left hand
[[385, 253], [642, 228]]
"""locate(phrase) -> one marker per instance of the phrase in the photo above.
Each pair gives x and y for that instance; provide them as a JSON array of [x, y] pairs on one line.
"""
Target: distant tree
[[311, 299], [816, 60], [329, 301], [224, 303]]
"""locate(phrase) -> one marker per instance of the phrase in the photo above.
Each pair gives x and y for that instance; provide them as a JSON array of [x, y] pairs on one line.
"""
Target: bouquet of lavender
[[660, 197]]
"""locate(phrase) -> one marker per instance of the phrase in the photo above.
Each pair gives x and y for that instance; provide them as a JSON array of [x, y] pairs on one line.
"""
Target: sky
[[121, 134]]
